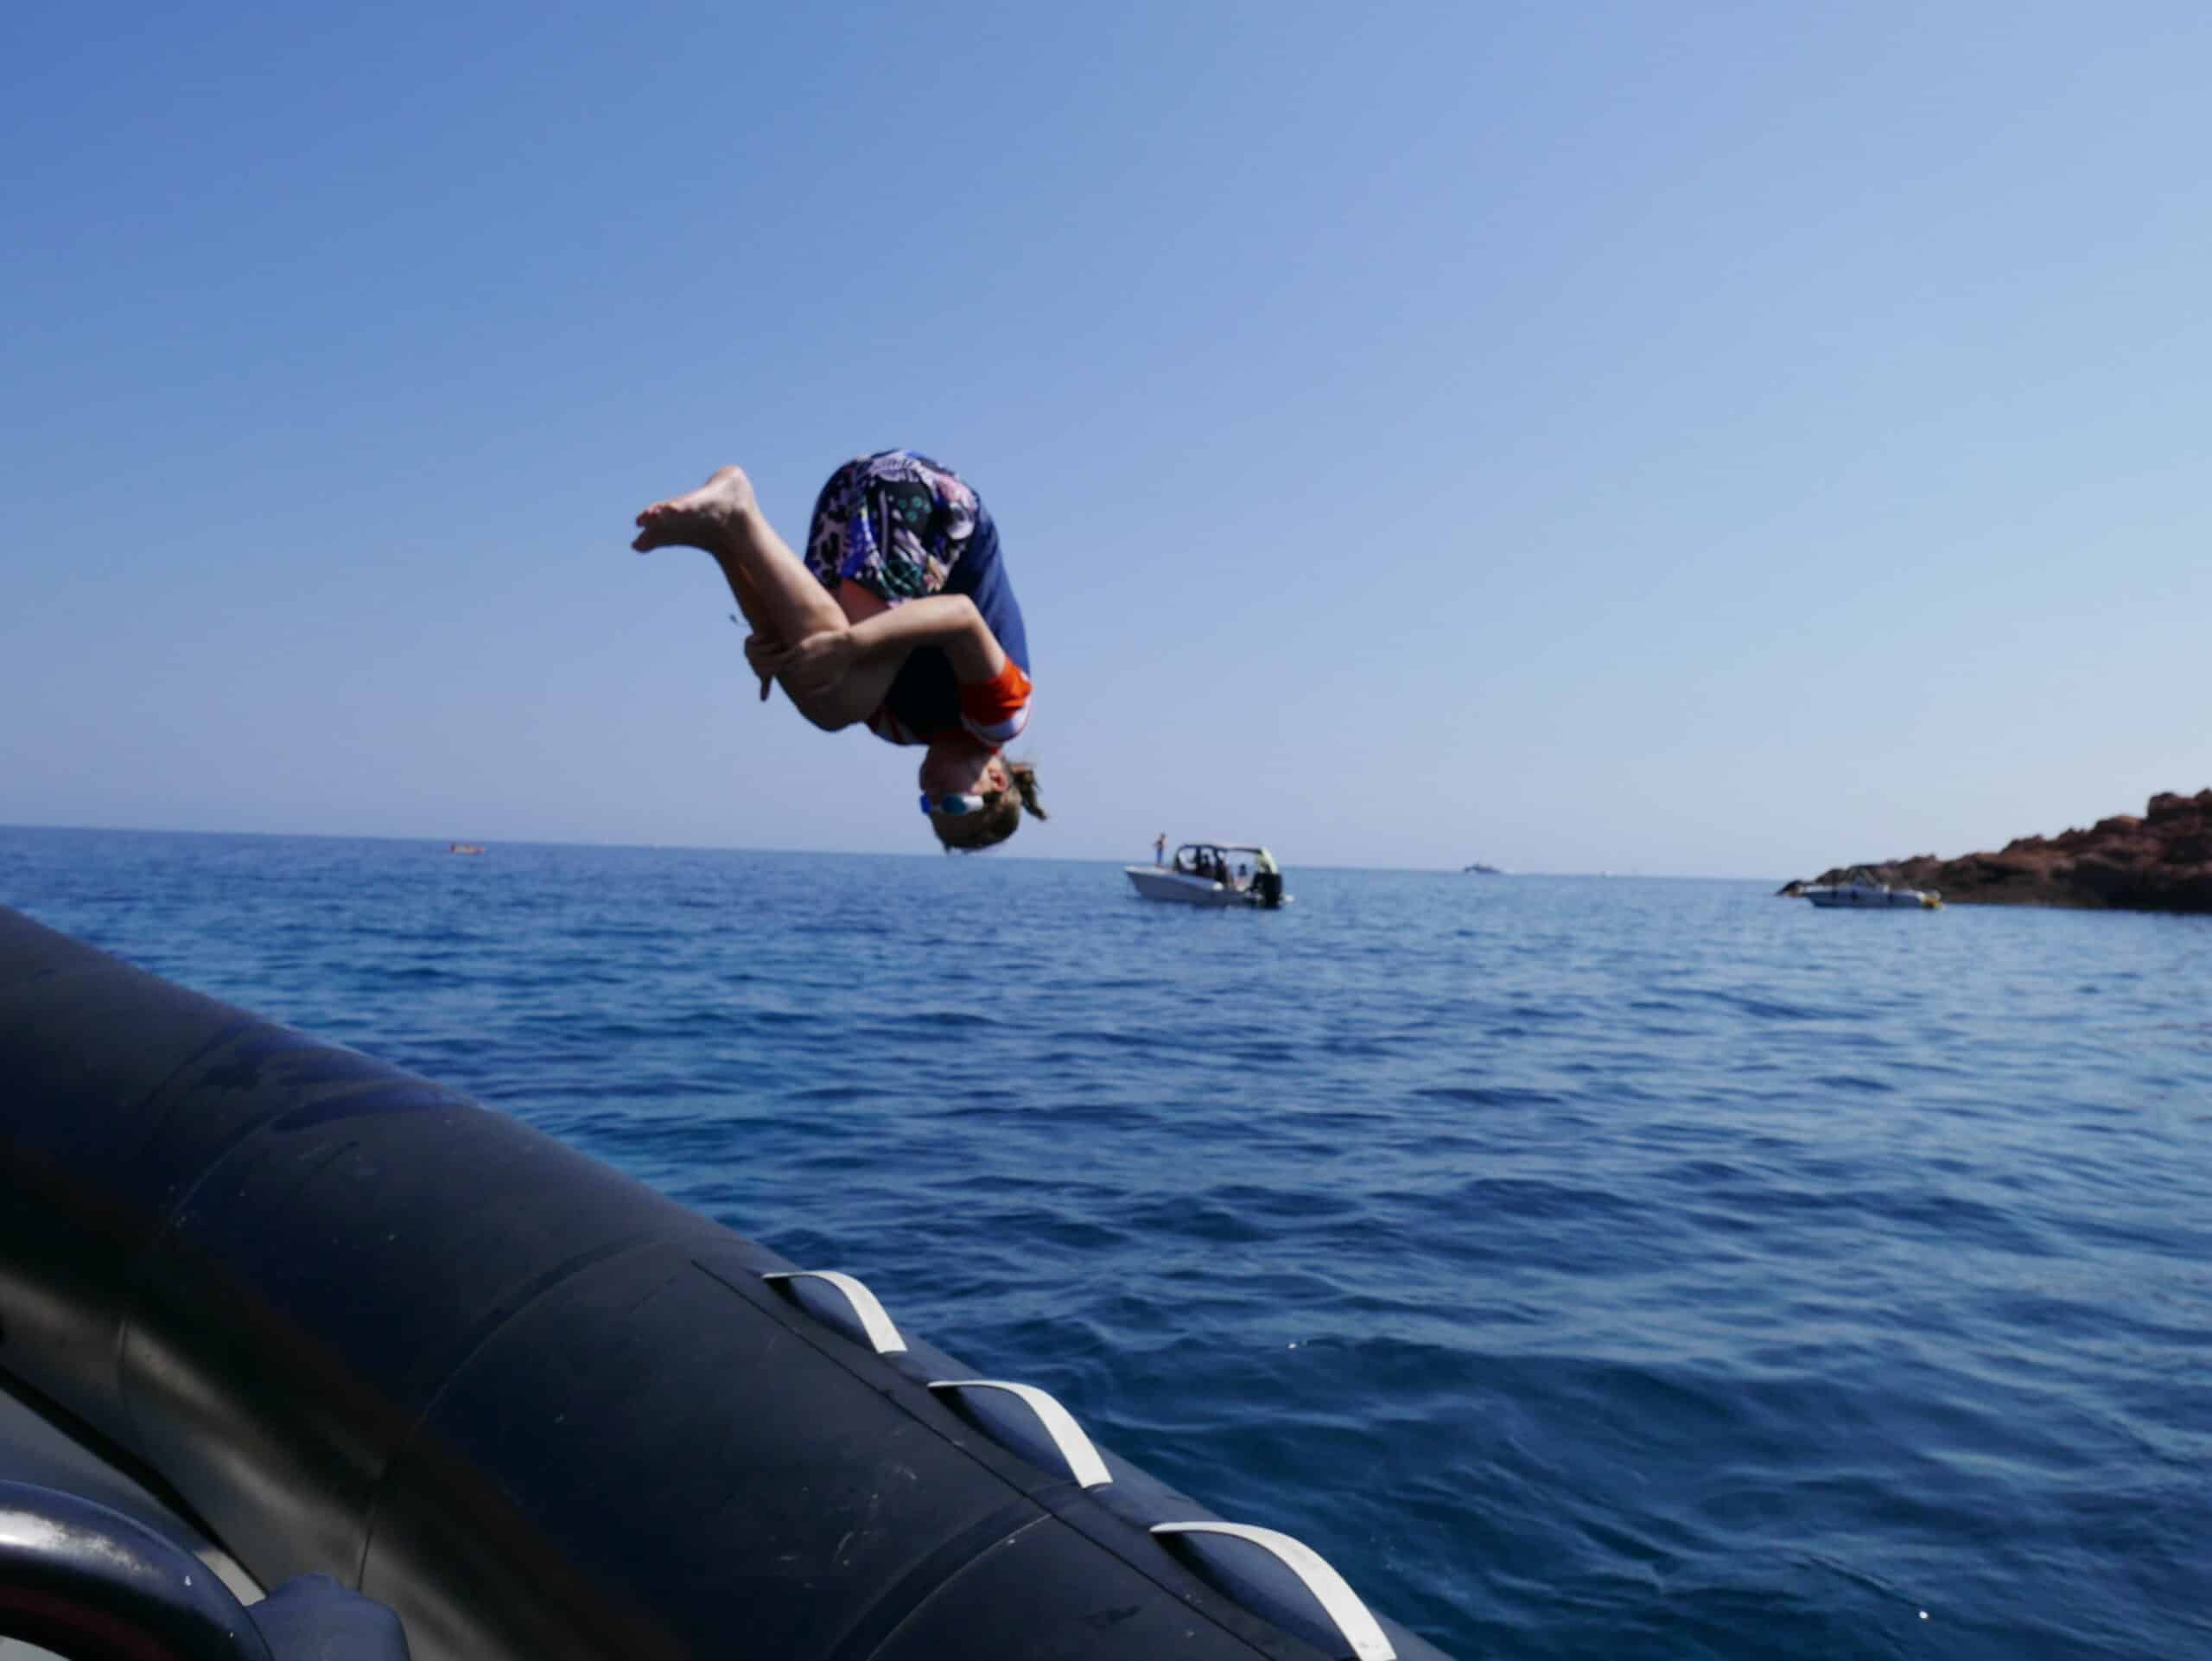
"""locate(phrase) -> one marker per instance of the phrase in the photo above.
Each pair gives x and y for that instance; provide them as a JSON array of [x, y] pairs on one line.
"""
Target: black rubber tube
[[365, 1327], [88, 1582]]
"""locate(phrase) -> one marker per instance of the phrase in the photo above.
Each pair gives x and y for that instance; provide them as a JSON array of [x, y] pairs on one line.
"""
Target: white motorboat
[[1204, 874], [1861, 890]]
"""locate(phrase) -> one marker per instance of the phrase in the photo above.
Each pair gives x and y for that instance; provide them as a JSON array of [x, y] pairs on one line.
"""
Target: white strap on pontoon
[[882, 1336], [1068, 1441], [1337, 1600]]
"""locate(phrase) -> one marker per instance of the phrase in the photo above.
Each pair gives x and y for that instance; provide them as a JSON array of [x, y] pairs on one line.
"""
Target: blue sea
[[1587, 1268]]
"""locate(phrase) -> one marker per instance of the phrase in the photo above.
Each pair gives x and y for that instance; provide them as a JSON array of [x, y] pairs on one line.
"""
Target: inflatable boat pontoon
[[274, 1308]]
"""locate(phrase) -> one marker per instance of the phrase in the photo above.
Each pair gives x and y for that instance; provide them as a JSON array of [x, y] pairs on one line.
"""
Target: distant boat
[[1480, 869], [1861, 891], [1201, 874], [465, 848]]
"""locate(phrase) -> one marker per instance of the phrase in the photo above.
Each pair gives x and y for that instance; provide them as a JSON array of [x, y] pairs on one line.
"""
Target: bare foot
[[702, 518]]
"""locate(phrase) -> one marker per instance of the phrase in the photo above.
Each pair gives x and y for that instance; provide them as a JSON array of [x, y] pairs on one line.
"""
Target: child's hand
[[758, 650], [814, 665]]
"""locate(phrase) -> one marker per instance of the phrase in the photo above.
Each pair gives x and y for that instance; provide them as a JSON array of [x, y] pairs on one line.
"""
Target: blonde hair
[[971, 833]]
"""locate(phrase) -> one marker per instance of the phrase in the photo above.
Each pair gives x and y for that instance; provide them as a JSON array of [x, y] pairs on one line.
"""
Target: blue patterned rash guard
[[903, 526]]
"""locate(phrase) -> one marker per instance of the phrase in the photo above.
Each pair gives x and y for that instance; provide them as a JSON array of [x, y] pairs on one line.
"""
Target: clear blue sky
[[1714, 439]]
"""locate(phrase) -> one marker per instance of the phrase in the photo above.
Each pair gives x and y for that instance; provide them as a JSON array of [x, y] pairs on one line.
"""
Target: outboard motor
[[1269, 885]]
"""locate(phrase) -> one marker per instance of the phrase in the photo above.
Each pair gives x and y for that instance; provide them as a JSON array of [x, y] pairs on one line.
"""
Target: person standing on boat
[[1160, 848], [900, 616]]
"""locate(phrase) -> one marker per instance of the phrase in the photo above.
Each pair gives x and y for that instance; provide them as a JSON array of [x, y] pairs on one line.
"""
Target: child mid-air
[[900, 616]]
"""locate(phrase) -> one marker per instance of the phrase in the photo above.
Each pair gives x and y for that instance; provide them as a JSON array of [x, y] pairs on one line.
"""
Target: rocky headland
[[2160, 862]]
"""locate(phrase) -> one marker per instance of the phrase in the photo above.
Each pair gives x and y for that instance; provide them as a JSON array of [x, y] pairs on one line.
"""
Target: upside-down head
[[975, 798]]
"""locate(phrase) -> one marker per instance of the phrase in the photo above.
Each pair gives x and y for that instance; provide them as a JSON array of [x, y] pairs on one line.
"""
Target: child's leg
[[747, 596], [781, 599]]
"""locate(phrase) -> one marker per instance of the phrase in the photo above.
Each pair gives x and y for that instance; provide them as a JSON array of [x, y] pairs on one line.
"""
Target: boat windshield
[[1232, 863]]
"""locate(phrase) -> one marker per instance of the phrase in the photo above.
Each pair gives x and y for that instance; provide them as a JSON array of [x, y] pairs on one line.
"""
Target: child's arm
[[839, 676], [948, 621]]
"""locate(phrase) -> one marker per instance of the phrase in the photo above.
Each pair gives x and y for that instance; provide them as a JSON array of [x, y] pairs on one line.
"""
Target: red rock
[[2161, 861]]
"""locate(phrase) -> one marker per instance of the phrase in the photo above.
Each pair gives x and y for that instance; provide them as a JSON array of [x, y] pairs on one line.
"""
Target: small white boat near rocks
[[1204, 874], [1860, 890]]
